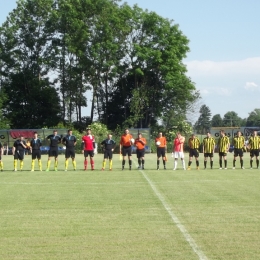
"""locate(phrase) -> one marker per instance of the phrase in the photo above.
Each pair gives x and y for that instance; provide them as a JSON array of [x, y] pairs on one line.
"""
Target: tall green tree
[[154, 81], [26, 56], [204, 121], [254, 118], [216, 121], [231, 119]]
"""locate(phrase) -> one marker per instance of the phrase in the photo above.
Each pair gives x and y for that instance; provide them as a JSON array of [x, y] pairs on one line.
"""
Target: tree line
[[53, 52], [230, 119]]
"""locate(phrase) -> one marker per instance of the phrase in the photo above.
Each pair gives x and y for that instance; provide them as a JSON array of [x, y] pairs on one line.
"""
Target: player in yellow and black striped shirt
[[194, 145], [223, 147], [239, 144], [208, 149], [254, 144]]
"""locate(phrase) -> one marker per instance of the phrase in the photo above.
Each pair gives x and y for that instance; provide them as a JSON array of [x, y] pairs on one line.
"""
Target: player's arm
[[13, 149], [23, 143], [120, 146]]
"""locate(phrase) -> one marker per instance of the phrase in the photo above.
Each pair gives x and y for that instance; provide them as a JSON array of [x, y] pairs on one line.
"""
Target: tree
[[203, 123], [26, 53], [216, 121], [231, 119], [253, 118], [154, 80]]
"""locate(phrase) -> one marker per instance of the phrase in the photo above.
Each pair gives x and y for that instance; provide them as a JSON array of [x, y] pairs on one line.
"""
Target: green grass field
[[149, 214]]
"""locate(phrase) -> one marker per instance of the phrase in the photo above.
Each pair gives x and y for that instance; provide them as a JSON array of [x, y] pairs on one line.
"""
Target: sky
[[224, 57]]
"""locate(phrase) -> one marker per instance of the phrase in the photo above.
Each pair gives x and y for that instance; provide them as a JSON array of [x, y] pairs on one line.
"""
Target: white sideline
[[175, 219]]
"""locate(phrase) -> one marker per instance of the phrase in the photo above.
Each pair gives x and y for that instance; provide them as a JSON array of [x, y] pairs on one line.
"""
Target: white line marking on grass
[[175, 219]]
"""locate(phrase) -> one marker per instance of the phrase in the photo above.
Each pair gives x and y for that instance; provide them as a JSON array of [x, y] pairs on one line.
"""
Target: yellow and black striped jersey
[[223, 144], [254, 142], [194, 143], [239, 142], [209, 144]]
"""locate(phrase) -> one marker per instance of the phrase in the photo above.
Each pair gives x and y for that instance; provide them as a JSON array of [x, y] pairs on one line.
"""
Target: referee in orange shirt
[[161, 143], [140, 143], [125, 147]]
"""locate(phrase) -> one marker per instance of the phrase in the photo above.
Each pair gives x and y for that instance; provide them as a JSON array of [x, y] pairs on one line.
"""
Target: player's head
[[55, 132], [255, 133], [109, 136], [126, 131], [160, 134], [178, 134], [70, 132], [238, 133], [21, 137], [208, 134], [139, 135], [193, 136], [88, 130], [222, 133]]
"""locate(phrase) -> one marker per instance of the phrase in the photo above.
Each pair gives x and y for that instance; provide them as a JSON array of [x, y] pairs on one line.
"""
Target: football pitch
[[137, 214]]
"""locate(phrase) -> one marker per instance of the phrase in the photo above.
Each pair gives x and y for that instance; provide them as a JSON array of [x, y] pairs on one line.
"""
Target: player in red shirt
[[88, 146]]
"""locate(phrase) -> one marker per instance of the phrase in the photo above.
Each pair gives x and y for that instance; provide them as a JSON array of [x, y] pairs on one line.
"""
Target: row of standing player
[[70, 141], [208, 146], [126, 142]]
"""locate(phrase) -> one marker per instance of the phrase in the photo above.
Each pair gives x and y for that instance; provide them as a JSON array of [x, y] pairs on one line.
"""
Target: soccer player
[[161, 144], [18, 152], [194, 145], [208, 149], [35, 148], [1, 153], [69, 141], [125, 148], [54, 139], [140, 143], [239, 144], [177, 150], [223, 147], [108, 146], [88, 146], [254, 144]]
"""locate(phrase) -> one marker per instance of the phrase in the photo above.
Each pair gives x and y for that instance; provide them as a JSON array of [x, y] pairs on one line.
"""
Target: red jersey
[[88, 141], [178, 144]]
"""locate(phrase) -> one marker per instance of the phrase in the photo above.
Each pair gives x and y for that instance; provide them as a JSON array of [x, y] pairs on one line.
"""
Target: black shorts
[[208, 155], [70, 152], [160, 152], [89, 153], [0, 156], [238, 152], [36, 154], [53, 152], [222, 154], [127, 150], [140, 153], [19, 155], [254, 152], [194, 152], [108, 154]]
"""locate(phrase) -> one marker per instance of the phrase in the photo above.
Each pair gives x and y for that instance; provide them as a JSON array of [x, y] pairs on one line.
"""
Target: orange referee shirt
[[126, 140], [162, 140], [140, 145]]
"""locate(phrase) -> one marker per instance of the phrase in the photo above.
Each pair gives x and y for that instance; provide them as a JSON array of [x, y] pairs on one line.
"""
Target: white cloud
[[219, 91], [251, 86], [249, 66]]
